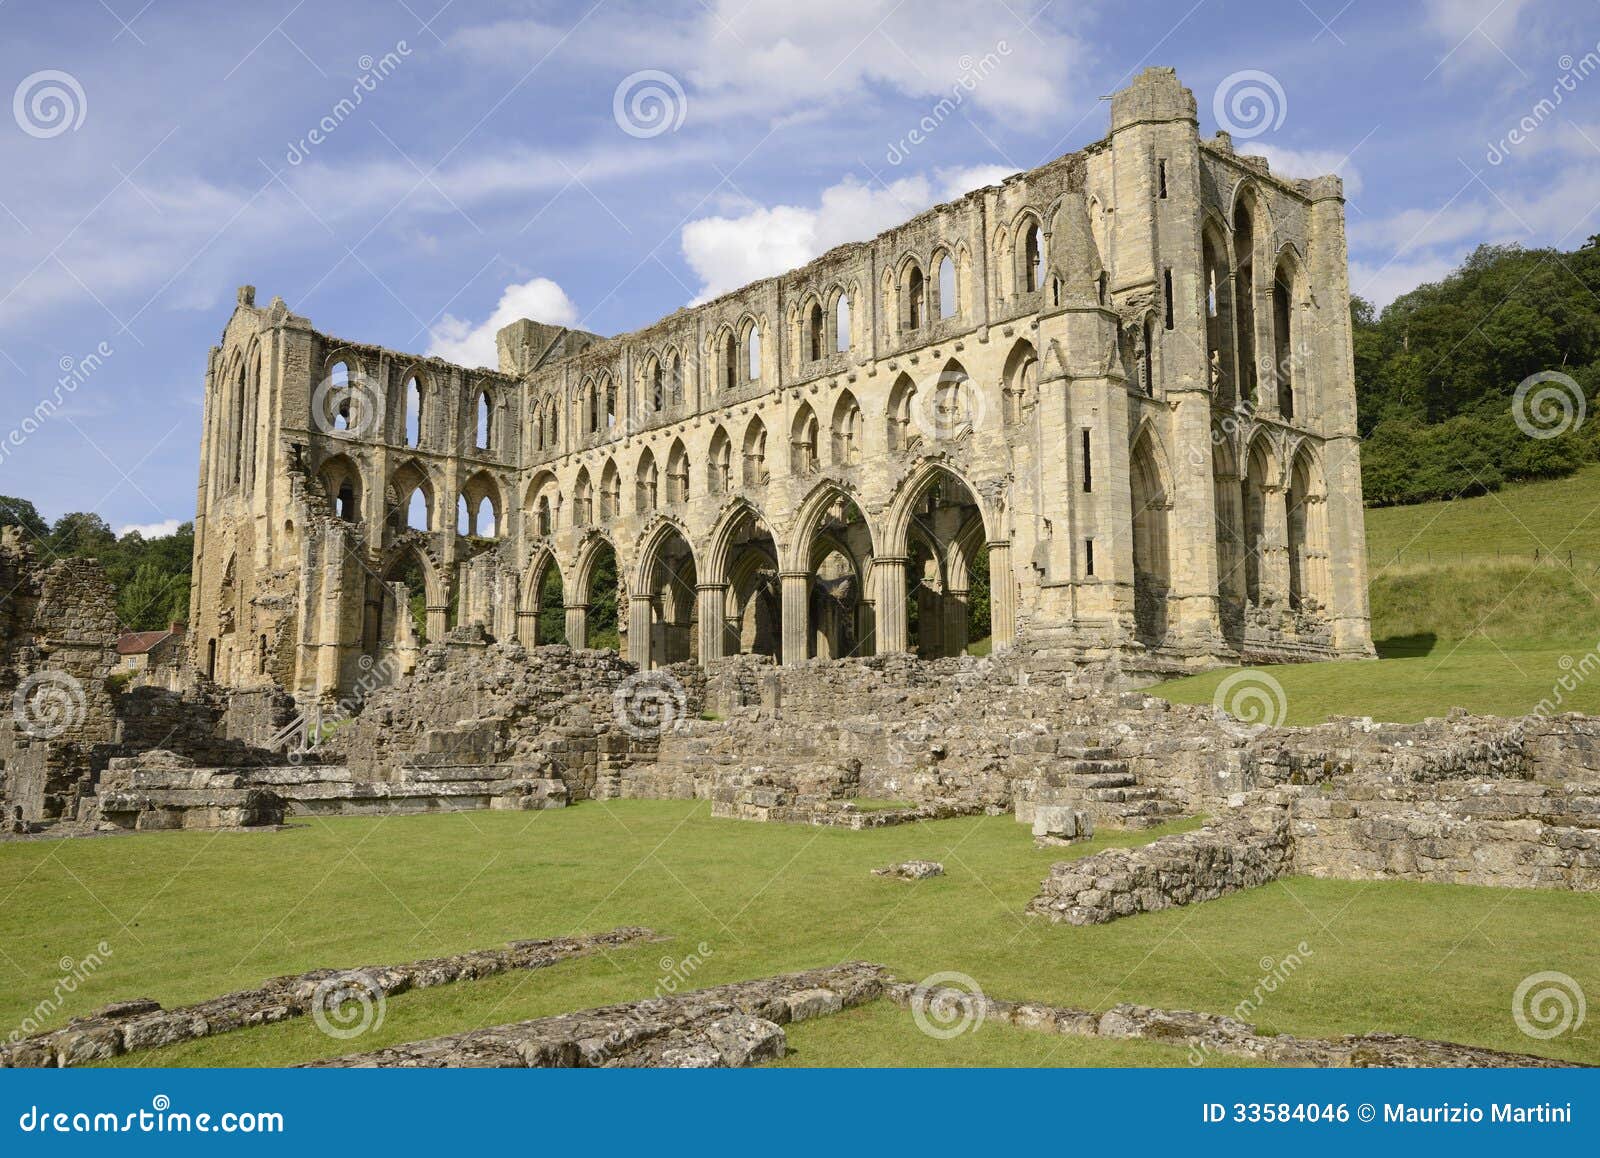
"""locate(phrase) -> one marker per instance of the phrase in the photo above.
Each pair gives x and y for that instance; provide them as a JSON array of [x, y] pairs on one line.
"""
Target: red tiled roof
[[139, 642]]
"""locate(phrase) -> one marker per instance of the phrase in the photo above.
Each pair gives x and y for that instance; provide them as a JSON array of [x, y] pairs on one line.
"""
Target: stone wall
[[1239, 852]]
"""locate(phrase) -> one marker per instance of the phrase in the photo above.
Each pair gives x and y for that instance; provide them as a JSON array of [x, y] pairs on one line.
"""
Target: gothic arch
[[912, 487]]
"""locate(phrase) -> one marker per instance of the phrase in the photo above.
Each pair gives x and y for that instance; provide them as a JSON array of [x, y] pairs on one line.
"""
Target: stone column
[[578, 624], [641, 612], [528, 628], [438, 621], [713, 599], [891, 575], [796, 616], [1002, 596]]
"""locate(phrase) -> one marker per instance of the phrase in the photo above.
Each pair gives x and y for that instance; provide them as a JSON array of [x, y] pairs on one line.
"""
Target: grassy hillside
[[1483, 603]]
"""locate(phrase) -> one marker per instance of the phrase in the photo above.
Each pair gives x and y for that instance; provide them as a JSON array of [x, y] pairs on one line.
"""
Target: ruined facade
[[1112, 399]]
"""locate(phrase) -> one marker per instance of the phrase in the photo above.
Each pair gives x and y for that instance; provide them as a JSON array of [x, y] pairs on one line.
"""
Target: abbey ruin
[[1116, 391]]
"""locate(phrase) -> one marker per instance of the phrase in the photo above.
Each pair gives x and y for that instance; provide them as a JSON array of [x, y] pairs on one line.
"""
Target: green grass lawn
[[191, 915], [1463, 613]]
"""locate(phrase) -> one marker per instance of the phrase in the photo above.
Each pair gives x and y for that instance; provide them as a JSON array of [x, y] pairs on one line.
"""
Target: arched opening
[[846, 430], [803, 441], [1244, 297], [341, 481], [1284, 336], [408, 501], [668, 577], [1030, 258], [755, 454], [674, 380], [678, 473], [583, 499], [1261, 493], [837, 550], [485, 421], [480, 502], [752, 352], [719, 467], [547, 618], [916, 308], [947, 287], [1219, 314], [902, 397], [610, 492], [730, 361], [656, 381], [753, 604], [646, 483], [841, 331], [1308, 535], [601, 588], [943, 601], [1231, 551], [814, 329], [1152, 569], [339, 377], [401, 627], [413, 393], [1021, 382]]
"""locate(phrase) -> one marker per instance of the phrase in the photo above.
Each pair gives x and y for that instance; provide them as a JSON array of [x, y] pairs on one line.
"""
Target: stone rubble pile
[[725, 1026], [911, 870]]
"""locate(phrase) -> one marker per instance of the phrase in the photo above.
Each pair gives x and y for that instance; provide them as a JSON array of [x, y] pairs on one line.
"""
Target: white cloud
[[461, 342], [1288, 162], [152, 530], [1471, 30], [1381, 284], [730, 251]]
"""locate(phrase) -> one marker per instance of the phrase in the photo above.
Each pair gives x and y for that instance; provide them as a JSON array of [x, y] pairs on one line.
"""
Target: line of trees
[[1438, 369], [151, 576]]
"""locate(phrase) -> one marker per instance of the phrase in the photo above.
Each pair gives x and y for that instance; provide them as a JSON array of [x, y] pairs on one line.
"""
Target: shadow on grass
[[1406, 646]]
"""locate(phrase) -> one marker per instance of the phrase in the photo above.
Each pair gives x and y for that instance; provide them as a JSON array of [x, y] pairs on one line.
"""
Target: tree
[[81, 534], [21, 513], [153, 599]]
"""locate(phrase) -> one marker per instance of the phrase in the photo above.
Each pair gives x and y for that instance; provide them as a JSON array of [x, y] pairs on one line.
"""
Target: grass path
[[190, 915]]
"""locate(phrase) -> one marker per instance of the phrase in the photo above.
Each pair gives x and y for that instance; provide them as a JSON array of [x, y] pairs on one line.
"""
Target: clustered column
[[796, 615], [713, 599], [891, 574], [1002, 596]]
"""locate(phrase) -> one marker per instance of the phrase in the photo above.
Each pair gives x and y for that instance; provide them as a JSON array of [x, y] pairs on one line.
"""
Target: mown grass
[[191, 915]]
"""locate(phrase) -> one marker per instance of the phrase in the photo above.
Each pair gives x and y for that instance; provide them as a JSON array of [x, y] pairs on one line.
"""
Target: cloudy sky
[[419, 172]]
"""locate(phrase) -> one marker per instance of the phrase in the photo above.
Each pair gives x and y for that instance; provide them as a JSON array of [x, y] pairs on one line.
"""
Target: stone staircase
[[1092, 780]]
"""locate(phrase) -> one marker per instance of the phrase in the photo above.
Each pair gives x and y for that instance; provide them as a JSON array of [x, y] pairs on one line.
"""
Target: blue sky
[[497, 164]]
